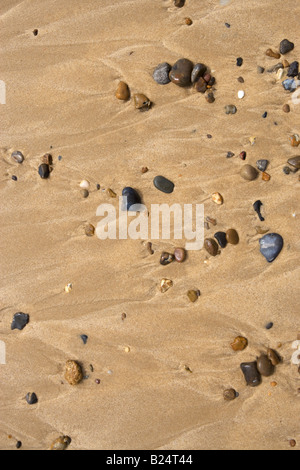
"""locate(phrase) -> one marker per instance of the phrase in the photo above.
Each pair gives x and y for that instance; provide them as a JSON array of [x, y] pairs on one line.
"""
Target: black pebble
[[286, 170], [256, 206], [163, 184], [221, 239], [84, 338], [265, 115], [251, 374], [44, 171], [130, 198], [269, 326], [262, 164], [20, 321], [286, 46], [31, 398], [227, 25], [239, 61], [18, 444], [14, 178], [293, 69]]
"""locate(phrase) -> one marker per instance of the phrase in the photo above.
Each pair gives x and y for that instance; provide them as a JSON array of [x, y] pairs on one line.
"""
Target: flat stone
[[286, 46], [197, 72], [270, 246], [20, 321], [295, 162], [293, 69], [161, 73], [163, 184], [232, 236], [249, 173], [265, 366], [181, 71], [221, 239], [131, 199], [262, 164], [211, 246], [251, 373]]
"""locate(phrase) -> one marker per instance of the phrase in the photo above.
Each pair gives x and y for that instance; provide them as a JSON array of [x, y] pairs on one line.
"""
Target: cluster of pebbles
[[123, 93]]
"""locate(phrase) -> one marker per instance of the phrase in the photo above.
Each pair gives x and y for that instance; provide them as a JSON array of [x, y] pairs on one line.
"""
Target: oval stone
[[73, 373], [44, 171], [163, 184], [197, 72], [251, 373], [295, 162], [239, 344], [181, 71], [249, 173], [180, 255], [131, 199], [123, 92], [229, 394], [232, 236], [17, 157], [270, 246], [211, 246], [161, 73], [265, 366]]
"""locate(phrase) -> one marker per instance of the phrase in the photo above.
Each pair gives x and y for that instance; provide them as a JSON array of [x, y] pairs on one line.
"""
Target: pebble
[[47, 158], [161, 73], [262, 164], [201, 85], [269, 326], [73, 373], [270, 246], [133, 198], [181, 71], [20, 320], [211, 246], [260, 69], [141, 101], [257, 206], [122, 92], [286, 108], [84, 193], [210, 97], [44, 171], [17, 157], [295, 140], [241, 80], [179, 3], [35, 32], [144, 170], [68, 288], [212, 221], [18, 444], [295, 359], [218, 199], [241, 94], [286, 46], [198, 71], [261, 231], [265, 115], [230, 155], [31, 398], [249, 173], [180, 255], [163, 184], [239, 344], [273, 356], [286, 170], [243, 155], [265, 366], [14, 178], [221, 239], [289, 84], [84, 338], [61, 443], [188, 21], [193, 295], [230, 109], [239, 61], [294, 162], [89, 230], [251, 373], [229, 394], [266, 176], [165, 285], [271, 53], [232, 237], [292, 443], [166, 258], [227, 25], [84, 184], [111, 193]]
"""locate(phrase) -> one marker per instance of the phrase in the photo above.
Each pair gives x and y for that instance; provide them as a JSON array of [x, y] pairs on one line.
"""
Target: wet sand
[[61, 99]]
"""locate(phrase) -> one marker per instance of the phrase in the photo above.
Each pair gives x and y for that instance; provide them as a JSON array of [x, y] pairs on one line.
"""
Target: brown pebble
[[249, 173], [84, 193], [271, 53], [193, 295], [273, 356], [89, 230], [180, 255], [201, 85], [211, 246], [211, 221], [73, 373], [123, 92], [166, 258], [123, 316], [149, 248], [61, 443], [229, 394], [141, 101], [47, 158], [293, 443], [241, 80], [232, 236], [294, 162], [210, 97], [265, 176], [265, 366], [273, 384], [295, 140], [239, 344], [188, 21], [145, 169], [165, 285], [286, 108], [98, 381], [111, 193], [285, 63]]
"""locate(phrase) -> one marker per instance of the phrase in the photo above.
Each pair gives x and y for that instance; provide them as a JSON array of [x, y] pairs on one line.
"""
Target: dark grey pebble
[[239, 61], [251, 373], [286, 46], [262, 164], [270, 246], [230, 109], [44, 171], [17, 157], [269, 326], [257, 206], [227, 25], [293, 69], [221, 239], [31, 398], [14, 178], [84, 338], [260, 69], [230, 155], [131, 200], [265, 366], [163, 184], [197, 72], [59, 158], [265, 115], [161, 73], [286, 170], [20, 321], [241, 80]]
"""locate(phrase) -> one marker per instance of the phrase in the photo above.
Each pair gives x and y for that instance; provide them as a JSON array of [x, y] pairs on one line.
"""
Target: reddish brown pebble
[[239, 344], [210, 97], [145, 169], [141, 101], [273, 54], [207, 77], [266, 176], [180, 255], [123, 316], [293, 443], [188, 21], [286, 108], [97, 381], [89, 230], [201, 85], [47, 158], [243, 155], [273, 356]]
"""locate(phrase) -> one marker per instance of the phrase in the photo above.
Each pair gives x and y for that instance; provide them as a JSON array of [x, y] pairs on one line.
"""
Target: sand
[[61, 99]]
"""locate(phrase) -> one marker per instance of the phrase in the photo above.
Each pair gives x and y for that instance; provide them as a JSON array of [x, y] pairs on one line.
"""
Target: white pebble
[[84, 184], [296, 357], [241, 94], [296, 344]]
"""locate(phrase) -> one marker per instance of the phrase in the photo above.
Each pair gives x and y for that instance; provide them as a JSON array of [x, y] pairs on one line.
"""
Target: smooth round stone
[[201, 85], [31, 398], [122, 92], [197, 72], [221, 239], [211, 246], [265, 366], [229, 394], [269, 326], [17, 157], [286, 108], [166, 258], [232, 237], [133, 199], [180, 255], [295, 162], [20, 320], [44, 171], [262, 164], [249, 173], [270, 246], [251, 373], [230, 109], [161, 73], [84, 193], [181, 71], [163, 184], [286, 46], [241, 94]]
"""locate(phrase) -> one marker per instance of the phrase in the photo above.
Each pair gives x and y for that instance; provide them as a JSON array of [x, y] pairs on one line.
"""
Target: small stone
[[265, 366], [150, 249], [181, 71], [35, 32], [141, 101], [265, 115], [239, 61], [266, 176], [295, 140], [89, 230], [165, 285], [179, 3], [97, 381], [230, 109], [260, 69], [294, 162], [249, 173], [163, 184], [47, 158], [192, 295], [211, 221], [269, 326], [221, 239], [262, 164], [295, 359], [17, 157], [145, 170], [243, 155], [286, 108], [31, 398], [188, 21], [289, 84], [232, 237], [286, 46], [197, 72], [180, 255], [122, 92], [241, 94], [68, 288], [227, 25], [230, 155], [84, 184], [61, 443], [111, 193], [20, 320], [127, 349], [217, 198], [210, 97], [44, 171], [270, 246], [18, 444], [14, 178], [84, 193], [229, 394], [201, 85], [257, 207], [239, 344], [166, 258], [161, 73], [285, 63], [292, 443], [84, 338], [241, 80], [211, 246], [271, 53], [131, 199], [286, 170], [261, 230], [251, 373], [73, 373], [273, 356]]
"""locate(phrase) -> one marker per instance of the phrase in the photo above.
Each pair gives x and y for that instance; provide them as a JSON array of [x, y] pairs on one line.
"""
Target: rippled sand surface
[[60, 99]]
